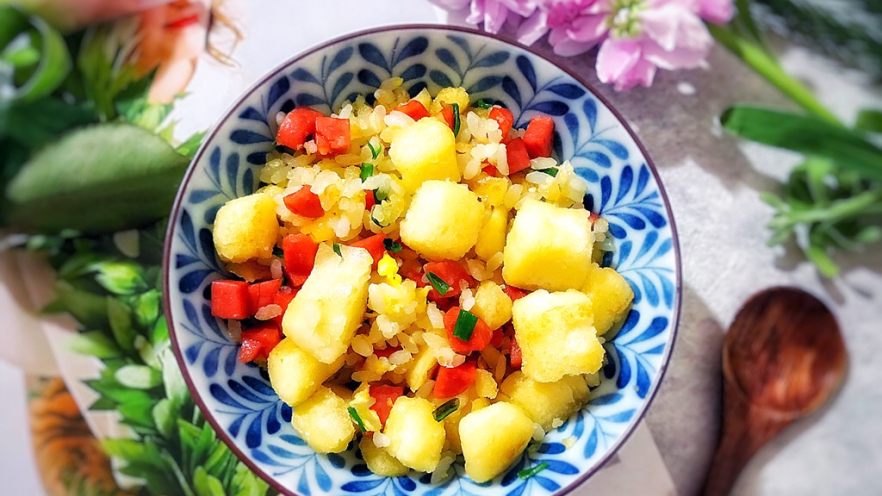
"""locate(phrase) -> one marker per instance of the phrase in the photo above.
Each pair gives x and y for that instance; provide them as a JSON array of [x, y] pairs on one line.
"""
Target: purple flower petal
[[533, 28]]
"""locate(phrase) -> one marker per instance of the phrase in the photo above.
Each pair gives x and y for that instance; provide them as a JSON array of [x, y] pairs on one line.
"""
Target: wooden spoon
[[783, 357]]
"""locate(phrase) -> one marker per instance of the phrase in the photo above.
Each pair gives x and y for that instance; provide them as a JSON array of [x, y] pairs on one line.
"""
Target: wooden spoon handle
[[745, 429]]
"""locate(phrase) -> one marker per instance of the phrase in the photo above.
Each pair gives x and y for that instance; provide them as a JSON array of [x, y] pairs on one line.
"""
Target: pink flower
[[491, 13], [716, 11], [650, 34], [577, 25]]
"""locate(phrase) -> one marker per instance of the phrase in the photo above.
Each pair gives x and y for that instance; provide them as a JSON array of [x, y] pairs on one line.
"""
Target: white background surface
[[713, 183]]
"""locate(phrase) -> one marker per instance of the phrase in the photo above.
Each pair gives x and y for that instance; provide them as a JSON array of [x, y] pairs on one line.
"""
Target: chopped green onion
[[375, 152], [465, 325], [336, 247], [443, 411], [356, 418], [551, 171], [483, 103], [380, 195], [391, 245], [530, 472], [440, 286], [456, 122], [277, 252], [367, 170]]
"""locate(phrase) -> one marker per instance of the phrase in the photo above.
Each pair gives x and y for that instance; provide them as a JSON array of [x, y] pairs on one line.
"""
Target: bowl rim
[[179, 197]]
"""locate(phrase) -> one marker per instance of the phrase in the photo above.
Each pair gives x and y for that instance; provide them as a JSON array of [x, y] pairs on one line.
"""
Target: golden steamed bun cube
[[556, 335], [548, 247], [330, 306], [493, 438], [492, 305], [323, 422], [295, 374], [611, 297], [579, 386], [424, 151], [543, 402], [415, 437], [491, 239], [379, 461], [246, 228], [449, 96], [419, 368], [443, 220]]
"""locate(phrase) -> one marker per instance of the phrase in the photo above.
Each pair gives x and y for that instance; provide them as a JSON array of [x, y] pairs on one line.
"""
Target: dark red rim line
[[179, 198]]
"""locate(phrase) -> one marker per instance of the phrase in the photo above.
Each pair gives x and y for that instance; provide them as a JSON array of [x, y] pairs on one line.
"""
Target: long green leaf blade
[[806, 134]]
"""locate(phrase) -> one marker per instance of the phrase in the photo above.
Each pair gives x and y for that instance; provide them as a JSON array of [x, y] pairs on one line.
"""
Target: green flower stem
[[839, 210], [759, 60]]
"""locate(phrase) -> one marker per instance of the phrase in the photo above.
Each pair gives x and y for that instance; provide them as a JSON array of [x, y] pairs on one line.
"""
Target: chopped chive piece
[[483, 103], [440, 286], [530, 472], [336, 247], [456, 122], [367, 170], [380, 195], [375, 152], [446, 409], [551, 171], [356, 418], [391, 245], [465, 325], [277, 252]]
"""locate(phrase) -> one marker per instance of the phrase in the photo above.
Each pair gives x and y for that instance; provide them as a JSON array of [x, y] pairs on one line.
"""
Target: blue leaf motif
[[191, 314], [614, 147], [492, 59], [643, 380], [406, 483], [560, 467], [415, 71], [620, 417], [361, 486], [526, 68], [307, 100], [551, 107], [664, 247], [462, 43], [252, 114], [260, 386], [277, 90], [322, 478], [625, 179], [656, 326], [649, 291], [221, 395], [244, 392], [209, 365], [192, 352], [546, 483], [624, 368], [368, 78], [632, 220], [340, 85], [191, 282], [339, 59], [572, 124], [598, 158], [591, 445], [567, 90], [303, 485], [413, 48], [303, 75], [511, 89], [617, 231], [484, 84], [372, 54], [551, 448], [255, 432], [280, 452], [648, 243], [642, 180], [606, 399], [246, 137], [589, 107], [440, 78], [605, 192], [654, 218], [446, 56]]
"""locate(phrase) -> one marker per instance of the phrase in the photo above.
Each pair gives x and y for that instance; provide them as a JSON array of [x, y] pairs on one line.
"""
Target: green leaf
[[247, 483], [120, 318], [164, 416], [147, 308], [869, 120], [100, 179], [120, 277], [95, 343], [175, 387], [88, 308], [54, 59], [38, 123], [138, 376], [138, 413], [130, 450], [808, 135], [207, 485], [191, 145]]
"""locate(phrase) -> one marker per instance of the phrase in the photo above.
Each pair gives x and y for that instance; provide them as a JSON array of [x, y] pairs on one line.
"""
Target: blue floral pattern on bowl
[[623, 187]]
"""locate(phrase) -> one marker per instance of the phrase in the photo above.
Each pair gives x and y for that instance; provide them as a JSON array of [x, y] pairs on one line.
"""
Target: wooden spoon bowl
[[783, 358]]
